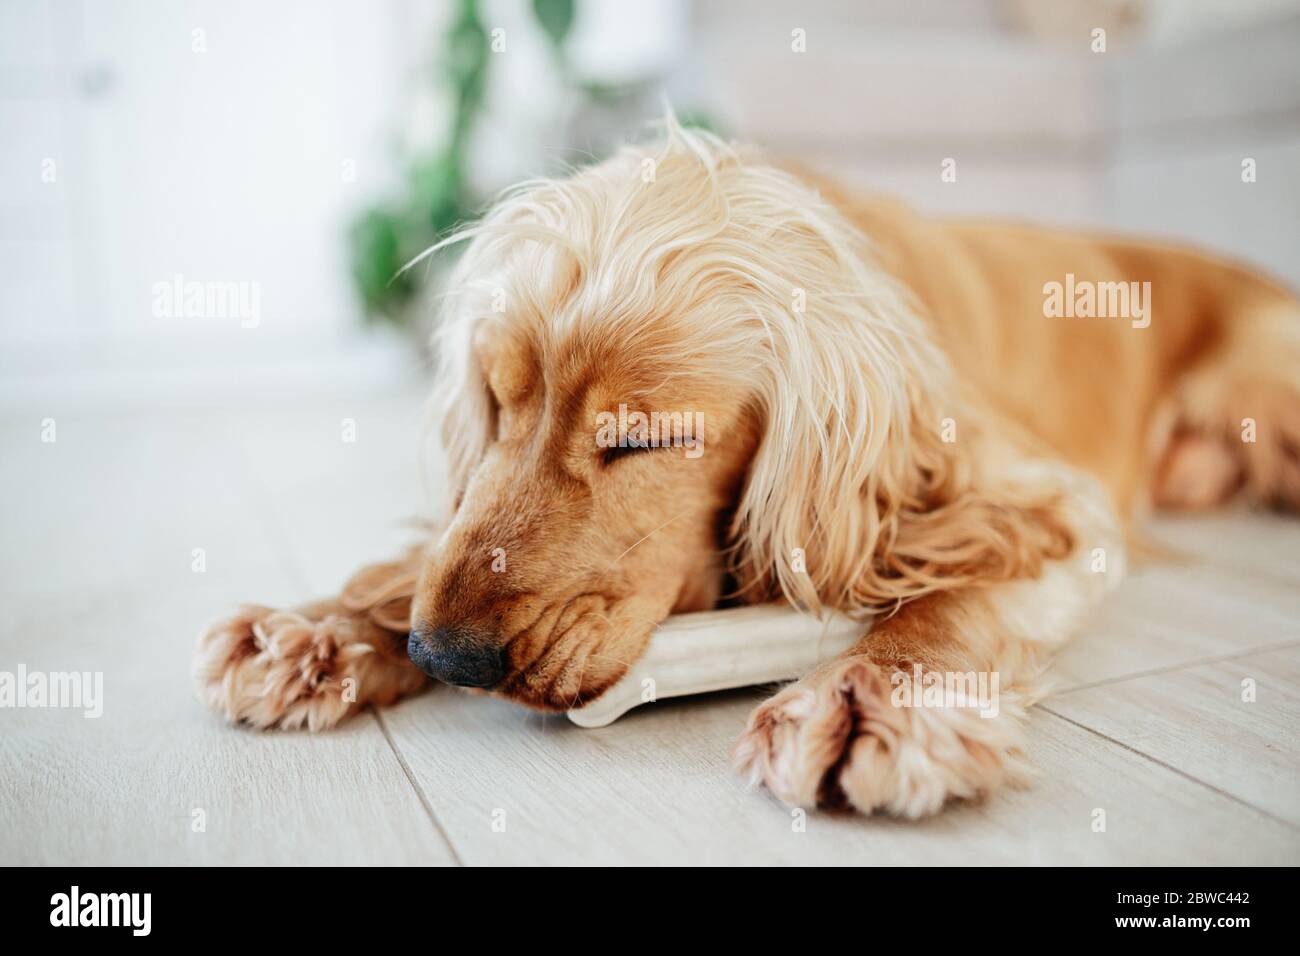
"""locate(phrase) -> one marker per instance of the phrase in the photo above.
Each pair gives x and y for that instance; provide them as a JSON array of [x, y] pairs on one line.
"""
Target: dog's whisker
[[645, 538]]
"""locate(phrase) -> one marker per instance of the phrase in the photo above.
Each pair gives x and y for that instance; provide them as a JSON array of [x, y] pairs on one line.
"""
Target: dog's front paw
[[837, 738], [269, 668]]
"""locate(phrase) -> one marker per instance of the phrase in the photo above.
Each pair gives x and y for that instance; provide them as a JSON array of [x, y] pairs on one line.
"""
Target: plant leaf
[[555, 17]]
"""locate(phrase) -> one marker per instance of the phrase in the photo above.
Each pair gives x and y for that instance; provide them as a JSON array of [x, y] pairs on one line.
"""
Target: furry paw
[[269, 668], [836, 738]]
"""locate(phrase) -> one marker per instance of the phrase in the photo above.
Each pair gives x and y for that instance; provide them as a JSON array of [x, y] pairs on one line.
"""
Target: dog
[[949, 426]]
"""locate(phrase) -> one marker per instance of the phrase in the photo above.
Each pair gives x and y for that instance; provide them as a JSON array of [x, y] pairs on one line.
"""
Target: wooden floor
[[99, 529]]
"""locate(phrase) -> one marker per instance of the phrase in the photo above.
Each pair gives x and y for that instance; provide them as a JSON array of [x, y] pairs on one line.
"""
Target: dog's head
[[644, 368]]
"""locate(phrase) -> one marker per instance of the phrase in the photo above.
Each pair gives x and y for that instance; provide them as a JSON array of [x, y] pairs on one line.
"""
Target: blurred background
[[297, 153], [211, 386]]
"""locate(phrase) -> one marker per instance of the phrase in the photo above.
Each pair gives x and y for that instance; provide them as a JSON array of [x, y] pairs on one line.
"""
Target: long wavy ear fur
[[854, 498], [460, 404]]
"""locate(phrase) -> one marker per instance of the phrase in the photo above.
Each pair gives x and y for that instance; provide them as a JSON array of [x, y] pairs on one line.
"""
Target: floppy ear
[[461, 409], [863, 520], [461, 404], [854, 498]]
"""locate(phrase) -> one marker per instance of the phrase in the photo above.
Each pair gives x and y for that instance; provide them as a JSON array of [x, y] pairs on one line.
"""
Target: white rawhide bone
[[717, 650]]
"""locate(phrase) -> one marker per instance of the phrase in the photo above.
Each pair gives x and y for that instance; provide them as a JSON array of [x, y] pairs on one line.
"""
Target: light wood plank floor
[[1148, 726]]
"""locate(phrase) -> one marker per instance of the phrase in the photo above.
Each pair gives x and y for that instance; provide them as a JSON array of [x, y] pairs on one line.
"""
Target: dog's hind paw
[[836, 739], [269, 668]]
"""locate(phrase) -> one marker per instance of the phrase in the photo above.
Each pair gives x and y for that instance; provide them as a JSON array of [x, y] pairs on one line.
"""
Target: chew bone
[[717, 650]]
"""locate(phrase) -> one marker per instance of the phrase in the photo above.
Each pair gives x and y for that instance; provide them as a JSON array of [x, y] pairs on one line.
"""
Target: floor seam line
[[419, 791], [1173, 668], [1249, 574], [1172, 769]]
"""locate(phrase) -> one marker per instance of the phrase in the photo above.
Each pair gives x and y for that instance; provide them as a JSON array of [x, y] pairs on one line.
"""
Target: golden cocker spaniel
[[686, 376]]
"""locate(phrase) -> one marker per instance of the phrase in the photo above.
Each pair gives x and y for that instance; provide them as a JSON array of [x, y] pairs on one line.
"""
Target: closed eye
[[610, 455]]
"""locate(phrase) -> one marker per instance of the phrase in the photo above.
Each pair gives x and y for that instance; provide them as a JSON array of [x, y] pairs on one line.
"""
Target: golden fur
[[892, 423]]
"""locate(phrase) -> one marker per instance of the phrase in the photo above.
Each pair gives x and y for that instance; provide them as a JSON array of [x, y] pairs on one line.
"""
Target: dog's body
[[1103, 392], [938, 426]]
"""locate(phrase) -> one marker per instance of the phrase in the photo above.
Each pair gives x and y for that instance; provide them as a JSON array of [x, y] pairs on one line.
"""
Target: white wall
[[228, 163], [219, 155], [1184, 117], [1147, 137]]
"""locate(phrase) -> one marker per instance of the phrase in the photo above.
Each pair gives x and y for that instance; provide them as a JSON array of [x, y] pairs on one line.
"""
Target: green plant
[[437, 197]]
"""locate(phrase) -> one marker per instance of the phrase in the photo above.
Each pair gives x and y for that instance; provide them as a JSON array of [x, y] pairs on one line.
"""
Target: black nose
[[456, 655]]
